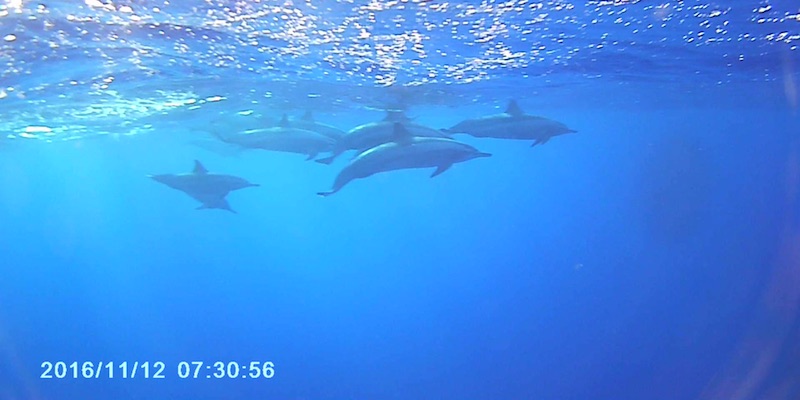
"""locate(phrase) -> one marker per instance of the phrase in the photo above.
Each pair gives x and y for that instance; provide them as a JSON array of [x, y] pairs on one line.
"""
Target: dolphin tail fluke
[[226, 207], [440, 169], [221, 204], [222, 207]]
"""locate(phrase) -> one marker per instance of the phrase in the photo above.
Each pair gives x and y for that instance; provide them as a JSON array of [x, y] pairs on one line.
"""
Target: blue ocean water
[[653, 254]]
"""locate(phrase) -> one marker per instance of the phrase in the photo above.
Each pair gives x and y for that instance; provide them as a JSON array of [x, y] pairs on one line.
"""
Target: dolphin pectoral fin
[[311, 156], [441, 169], [226, 206], [326, 194], [540, 141], [217, 133], [327, 160]]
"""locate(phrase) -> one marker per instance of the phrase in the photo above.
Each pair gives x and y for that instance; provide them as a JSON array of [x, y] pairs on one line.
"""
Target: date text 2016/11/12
[[89, 370], [155, 370]]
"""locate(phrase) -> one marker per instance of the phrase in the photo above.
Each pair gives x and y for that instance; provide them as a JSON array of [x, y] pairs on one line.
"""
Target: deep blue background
[[627, 261]]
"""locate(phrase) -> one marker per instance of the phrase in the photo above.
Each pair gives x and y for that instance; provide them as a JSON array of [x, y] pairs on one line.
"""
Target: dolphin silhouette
[[373, 134], [405, 152], [512, 124], [308, 123], [209, 189], [285, 138]]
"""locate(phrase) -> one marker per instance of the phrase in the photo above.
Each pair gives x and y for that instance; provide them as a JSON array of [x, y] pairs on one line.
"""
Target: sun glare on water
[[15, 5]]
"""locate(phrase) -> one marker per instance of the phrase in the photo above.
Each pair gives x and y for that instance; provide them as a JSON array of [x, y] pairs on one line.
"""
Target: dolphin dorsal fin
[[396, 116], [284, 121], [401, 135], [199, 168], [513, 109], [308, 116]]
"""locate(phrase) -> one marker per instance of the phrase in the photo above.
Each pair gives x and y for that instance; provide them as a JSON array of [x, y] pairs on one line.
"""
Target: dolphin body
[[308, 123], [209, 189], [283, 138], [512, 124], [373, 134], [405, 152], [219, 147]]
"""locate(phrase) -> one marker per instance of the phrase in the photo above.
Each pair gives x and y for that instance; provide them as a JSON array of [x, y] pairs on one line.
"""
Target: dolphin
[[512, 124], [218, 147], [308, 123], [209, 189], [373, 134], [405, 152], [281, 138]]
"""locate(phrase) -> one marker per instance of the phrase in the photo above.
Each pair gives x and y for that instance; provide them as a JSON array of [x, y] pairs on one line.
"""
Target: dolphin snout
[[484, 154]]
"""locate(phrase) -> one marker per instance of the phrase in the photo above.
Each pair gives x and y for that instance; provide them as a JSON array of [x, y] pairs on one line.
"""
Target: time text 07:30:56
[[157, 370]]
